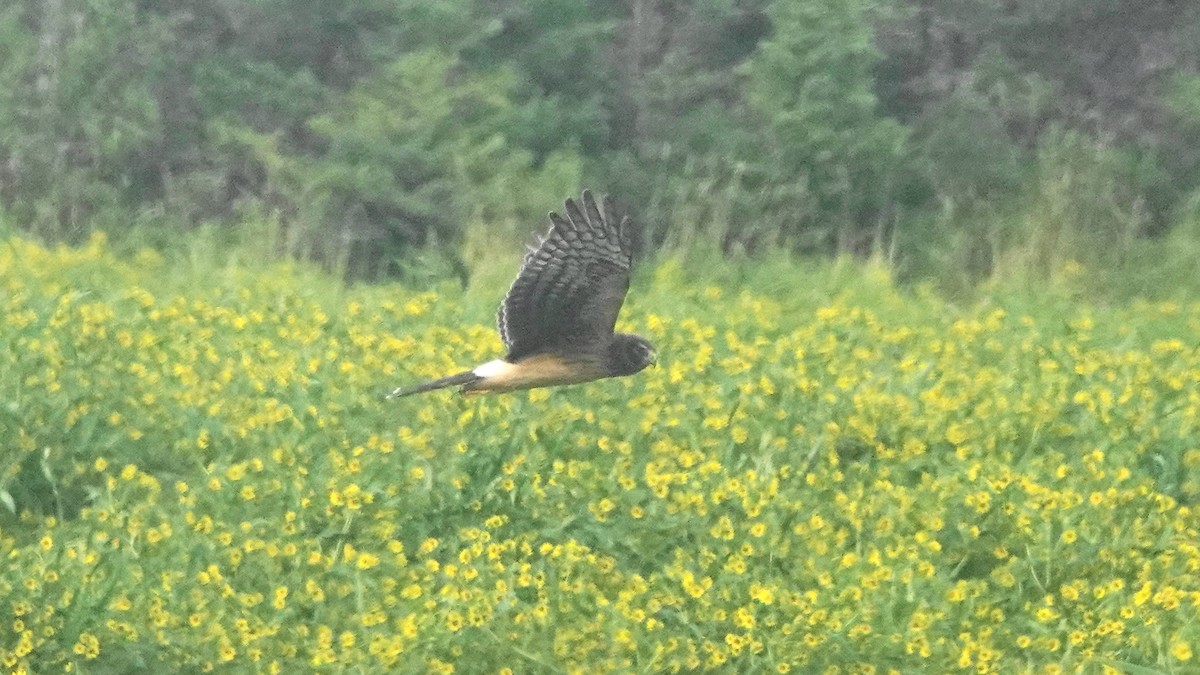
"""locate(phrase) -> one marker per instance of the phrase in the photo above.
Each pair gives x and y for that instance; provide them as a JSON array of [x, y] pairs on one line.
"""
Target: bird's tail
[[440, 383]]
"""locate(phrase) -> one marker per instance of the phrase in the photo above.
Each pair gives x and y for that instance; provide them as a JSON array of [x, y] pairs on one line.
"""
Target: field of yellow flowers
[[874, 482]]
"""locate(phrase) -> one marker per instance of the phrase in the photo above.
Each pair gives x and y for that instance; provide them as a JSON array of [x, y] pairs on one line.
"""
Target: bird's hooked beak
[[654, 358]]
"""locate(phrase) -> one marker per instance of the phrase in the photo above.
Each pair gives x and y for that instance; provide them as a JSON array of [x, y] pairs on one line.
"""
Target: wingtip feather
[[581, 217]]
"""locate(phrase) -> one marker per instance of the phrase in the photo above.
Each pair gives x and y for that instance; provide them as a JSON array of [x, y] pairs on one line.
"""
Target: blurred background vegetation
[[965, 143]]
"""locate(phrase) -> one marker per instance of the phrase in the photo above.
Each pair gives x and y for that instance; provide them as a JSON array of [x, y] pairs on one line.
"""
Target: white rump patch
[[497, 368]]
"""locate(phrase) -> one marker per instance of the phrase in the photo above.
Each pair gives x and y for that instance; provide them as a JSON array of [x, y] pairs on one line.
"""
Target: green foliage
[[812, 81], [554, 46], [397, 169], [1184, 98], [1160, 267], [78, 118], [1082, 209], [396, 139], [968, 157]]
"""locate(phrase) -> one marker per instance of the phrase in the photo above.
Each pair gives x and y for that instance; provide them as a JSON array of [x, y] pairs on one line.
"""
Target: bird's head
[[629, 354]]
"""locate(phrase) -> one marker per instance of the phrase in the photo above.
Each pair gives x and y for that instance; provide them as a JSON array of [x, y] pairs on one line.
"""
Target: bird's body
[[558, 317]]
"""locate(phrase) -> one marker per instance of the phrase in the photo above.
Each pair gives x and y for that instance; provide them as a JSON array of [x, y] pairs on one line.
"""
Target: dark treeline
[[976, 135]]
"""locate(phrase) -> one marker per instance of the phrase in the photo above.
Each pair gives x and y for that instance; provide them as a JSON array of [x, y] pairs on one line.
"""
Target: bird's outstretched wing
[[571, 286]]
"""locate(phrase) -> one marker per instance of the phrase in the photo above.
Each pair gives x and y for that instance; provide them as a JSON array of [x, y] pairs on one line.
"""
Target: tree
[[812, 82], [1102, 68], [79, 124], [396, 165]]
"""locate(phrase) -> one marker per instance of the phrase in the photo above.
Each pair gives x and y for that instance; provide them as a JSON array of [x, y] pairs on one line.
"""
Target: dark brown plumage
[[558, 316]]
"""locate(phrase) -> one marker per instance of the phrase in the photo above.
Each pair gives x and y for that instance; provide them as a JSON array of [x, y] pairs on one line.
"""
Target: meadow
[[199, 472]]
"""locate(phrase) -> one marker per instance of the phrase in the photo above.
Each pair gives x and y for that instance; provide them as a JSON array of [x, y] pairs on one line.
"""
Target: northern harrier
[[558, 317]]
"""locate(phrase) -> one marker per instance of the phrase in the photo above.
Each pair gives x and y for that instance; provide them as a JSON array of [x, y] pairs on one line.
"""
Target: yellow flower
[[280, 599], [762, 594], [1046, 614], [87, 646], [723, 529]]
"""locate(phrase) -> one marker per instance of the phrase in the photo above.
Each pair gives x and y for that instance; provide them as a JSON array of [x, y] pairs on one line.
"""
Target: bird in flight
[[558, 318]]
